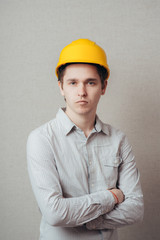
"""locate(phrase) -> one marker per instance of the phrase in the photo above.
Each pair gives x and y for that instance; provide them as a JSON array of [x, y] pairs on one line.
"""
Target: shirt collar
[[68, 125], [100, 126], [64, 120]]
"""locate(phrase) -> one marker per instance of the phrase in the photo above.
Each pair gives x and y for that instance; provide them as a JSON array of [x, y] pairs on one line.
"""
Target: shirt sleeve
[[56, 209], [132, 208]]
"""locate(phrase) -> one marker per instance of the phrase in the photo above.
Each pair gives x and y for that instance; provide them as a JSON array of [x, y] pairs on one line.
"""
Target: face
[[82, 89]]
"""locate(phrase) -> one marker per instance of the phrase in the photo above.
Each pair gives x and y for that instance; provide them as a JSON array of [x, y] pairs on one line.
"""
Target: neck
[[84, 122]]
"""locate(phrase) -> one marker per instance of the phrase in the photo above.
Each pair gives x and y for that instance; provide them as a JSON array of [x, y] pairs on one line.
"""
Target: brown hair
[[103, 73]]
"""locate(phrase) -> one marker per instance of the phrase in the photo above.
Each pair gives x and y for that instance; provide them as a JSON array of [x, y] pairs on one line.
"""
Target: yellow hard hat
[[83, 51]]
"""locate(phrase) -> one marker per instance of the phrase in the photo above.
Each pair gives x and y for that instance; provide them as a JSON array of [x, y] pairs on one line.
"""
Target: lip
[[82, 102]]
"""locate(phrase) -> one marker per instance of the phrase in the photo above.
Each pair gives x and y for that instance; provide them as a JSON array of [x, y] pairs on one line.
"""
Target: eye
[[91, 83], [73, 83]]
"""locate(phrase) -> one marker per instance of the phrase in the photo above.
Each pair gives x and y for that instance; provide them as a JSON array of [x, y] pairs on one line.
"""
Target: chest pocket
[[110, 170]]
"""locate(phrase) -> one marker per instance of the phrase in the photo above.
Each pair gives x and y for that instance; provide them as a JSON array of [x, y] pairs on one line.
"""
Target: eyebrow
[[86, 80], [92, 79]]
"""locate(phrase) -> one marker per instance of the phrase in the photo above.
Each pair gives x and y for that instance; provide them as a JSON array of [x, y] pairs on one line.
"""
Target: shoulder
[[120, 142], [119, 138], [112, 131], [107, 129], [45, 131]]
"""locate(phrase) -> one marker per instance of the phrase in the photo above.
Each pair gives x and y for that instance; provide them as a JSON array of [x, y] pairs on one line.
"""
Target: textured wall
[[32, 33]]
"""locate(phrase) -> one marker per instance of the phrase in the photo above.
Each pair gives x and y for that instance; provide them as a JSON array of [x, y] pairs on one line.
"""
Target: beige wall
[[32, 33]]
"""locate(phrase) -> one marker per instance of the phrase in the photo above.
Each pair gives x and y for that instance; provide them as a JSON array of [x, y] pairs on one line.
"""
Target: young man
[[83, 172]]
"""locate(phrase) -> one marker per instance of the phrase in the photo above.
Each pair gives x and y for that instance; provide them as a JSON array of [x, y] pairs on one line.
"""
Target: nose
[[82, 91]]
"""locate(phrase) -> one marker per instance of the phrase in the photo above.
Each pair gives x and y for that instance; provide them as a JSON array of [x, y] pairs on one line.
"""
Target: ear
[[104, 88], [61, 87]]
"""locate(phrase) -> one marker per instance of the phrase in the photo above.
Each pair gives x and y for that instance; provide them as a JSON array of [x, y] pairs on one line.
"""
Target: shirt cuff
[[106, 200]]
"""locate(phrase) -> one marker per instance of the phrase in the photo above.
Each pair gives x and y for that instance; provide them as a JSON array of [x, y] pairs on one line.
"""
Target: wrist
[[115, 197]]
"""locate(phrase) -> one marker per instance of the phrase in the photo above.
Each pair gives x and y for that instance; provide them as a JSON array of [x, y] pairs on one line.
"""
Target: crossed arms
[[97, 210]]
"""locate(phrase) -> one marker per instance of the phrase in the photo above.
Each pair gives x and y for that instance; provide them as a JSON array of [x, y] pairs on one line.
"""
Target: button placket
[[91, 181]]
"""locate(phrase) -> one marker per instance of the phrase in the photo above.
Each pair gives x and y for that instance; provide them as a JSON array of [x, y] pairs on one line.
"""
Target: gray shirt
[[71, 174]]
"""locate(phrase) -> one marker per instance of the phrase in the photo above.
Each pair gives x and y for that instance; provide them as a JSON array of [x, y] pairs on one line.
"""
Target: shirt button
[[92, 185], [116, 161], [90, 163]]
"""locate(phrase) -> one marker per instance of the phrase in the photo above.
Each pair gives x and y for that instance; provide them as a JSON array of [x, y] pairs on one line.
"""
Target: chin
[[83, 111]]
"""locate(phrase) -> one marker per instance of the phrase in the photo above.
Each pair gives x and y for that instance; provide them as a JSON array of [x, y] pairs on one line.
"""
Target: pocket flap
[[112, 161]]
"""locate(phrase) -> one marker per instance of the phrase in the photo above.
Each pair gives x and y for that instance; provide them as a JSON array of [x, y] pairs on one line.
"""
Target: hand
[[119, 194]]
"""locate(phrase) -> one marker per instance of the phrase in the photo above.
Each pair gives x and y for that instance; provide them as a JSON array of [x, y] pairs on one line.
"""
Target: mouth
[[82, 102]]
